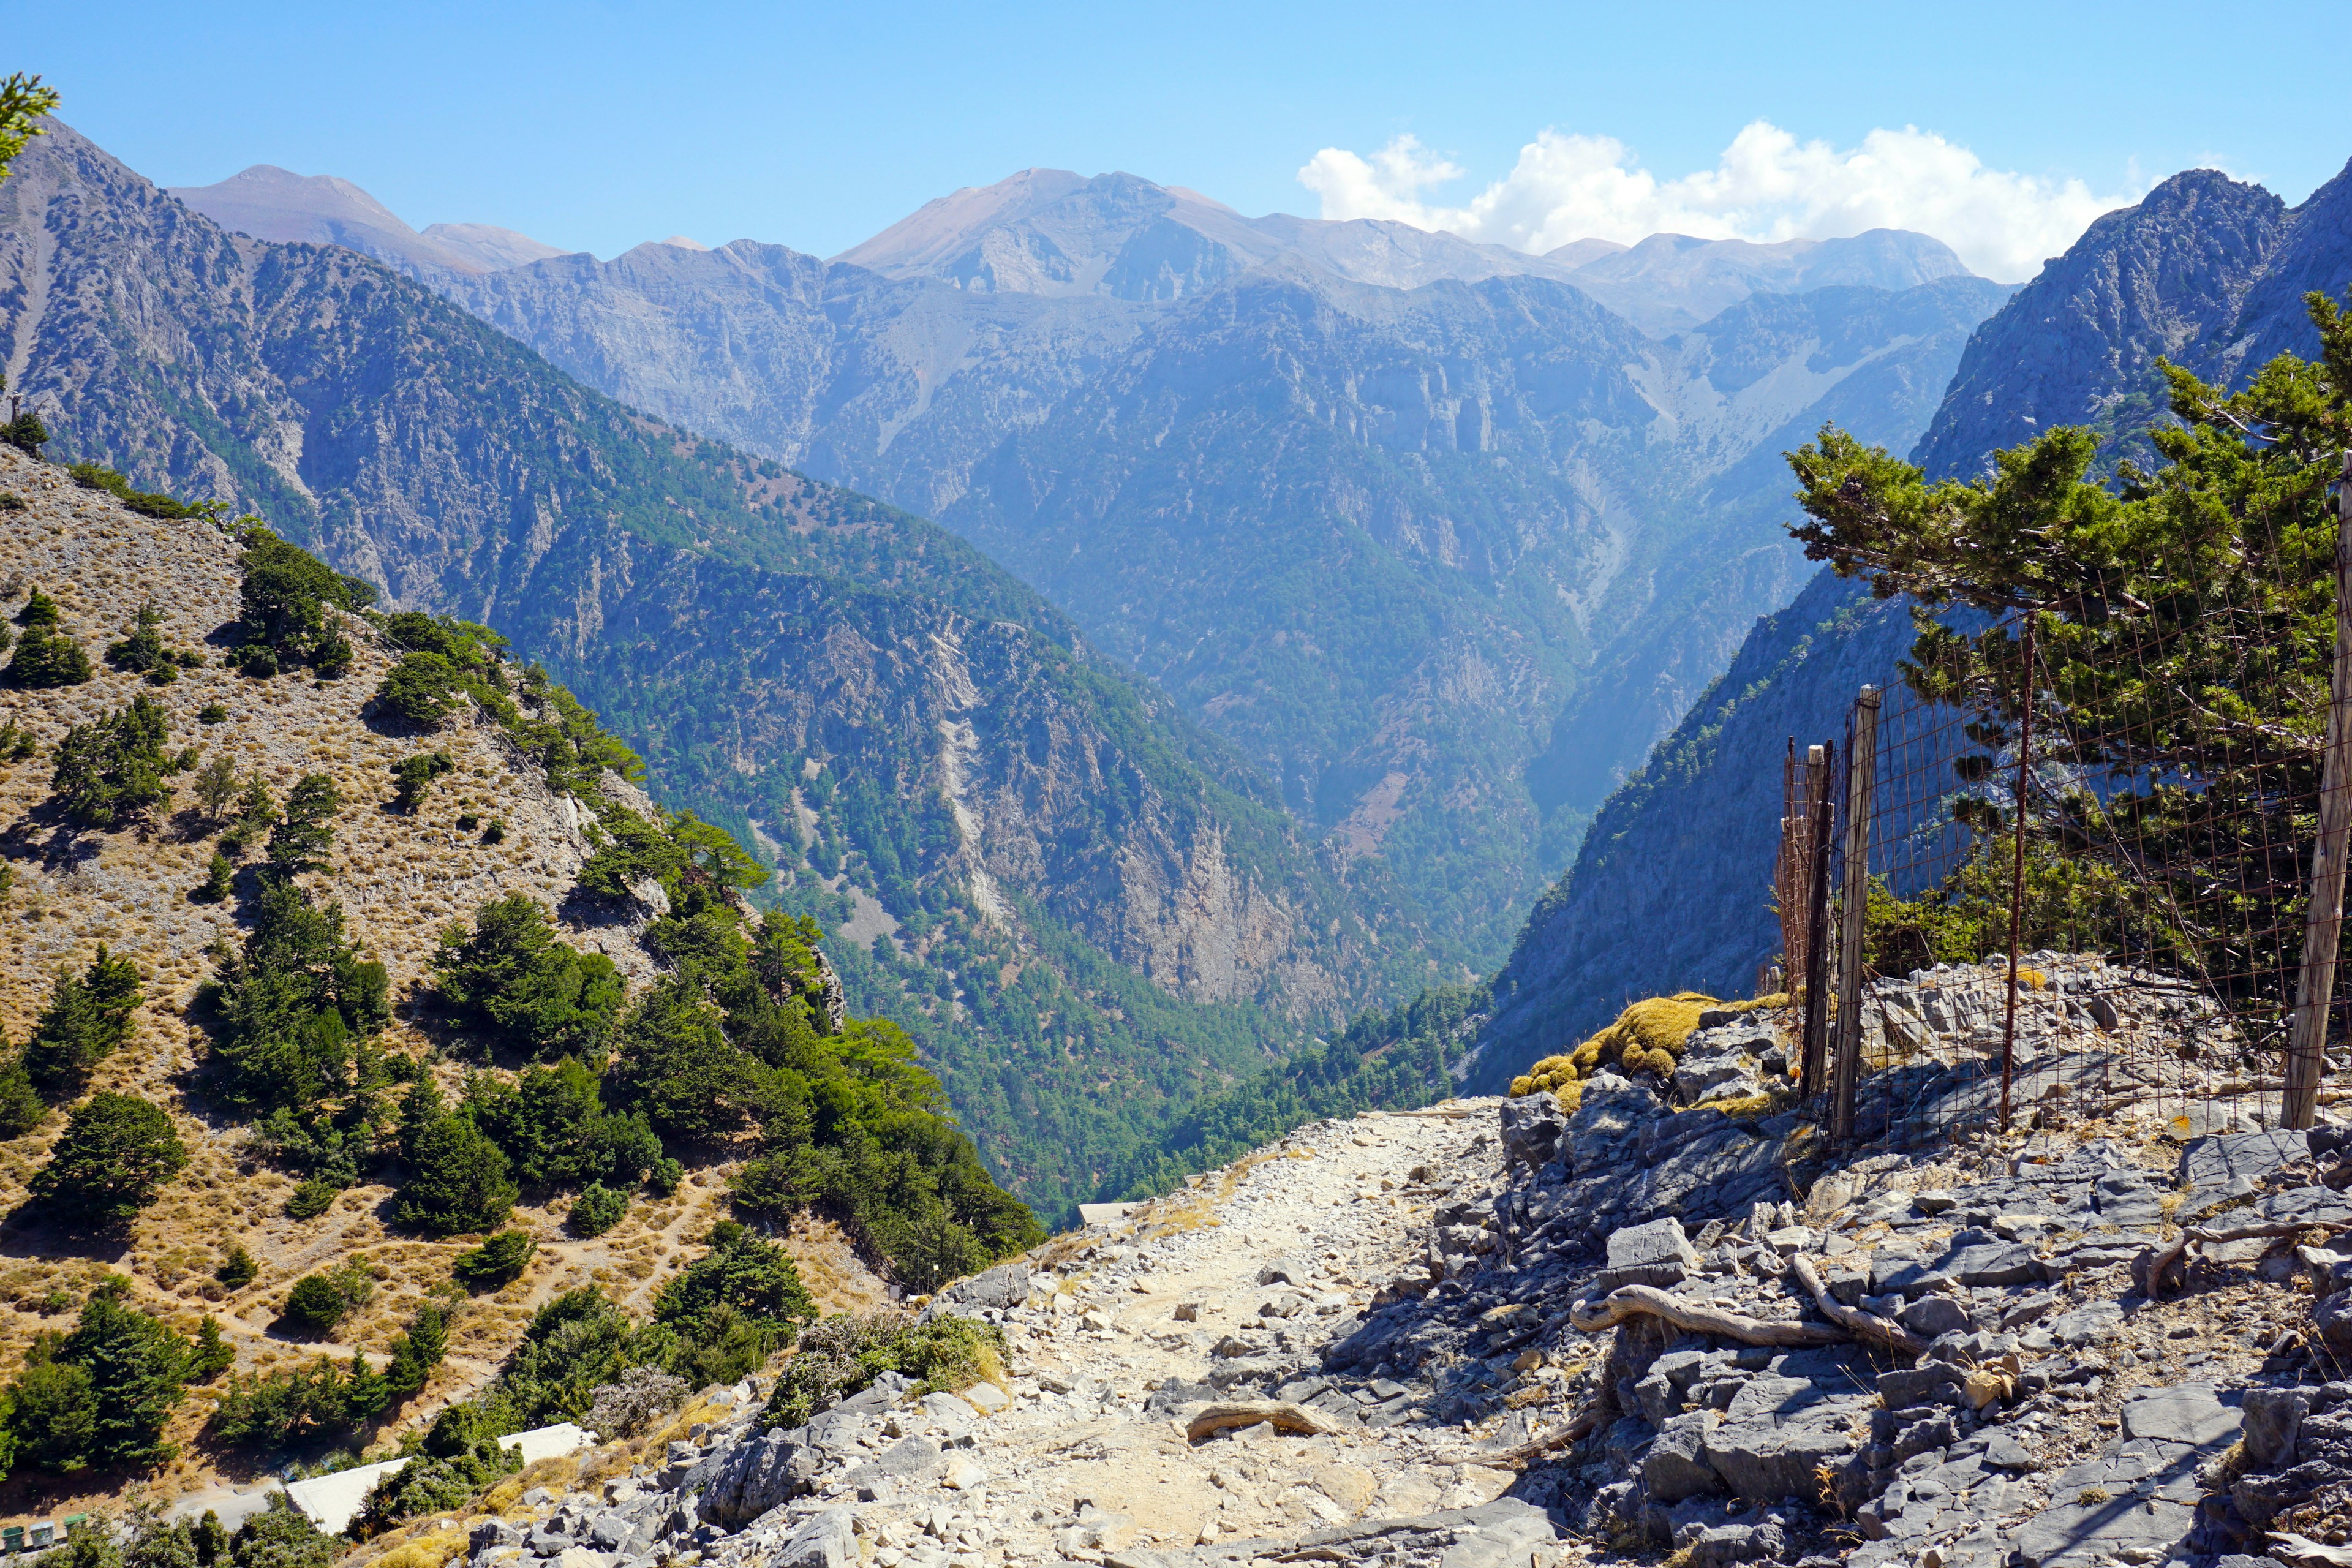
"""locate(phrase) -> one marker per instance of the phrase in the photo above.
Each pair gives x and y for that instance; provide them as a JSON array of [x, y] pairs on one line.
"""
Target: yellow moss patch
[[424, 1552], [1647, 1037]]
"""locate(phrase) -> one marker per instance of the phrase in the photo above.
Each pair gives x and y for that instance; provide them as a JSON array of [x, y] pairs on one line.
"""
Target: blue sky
[[601, 123]]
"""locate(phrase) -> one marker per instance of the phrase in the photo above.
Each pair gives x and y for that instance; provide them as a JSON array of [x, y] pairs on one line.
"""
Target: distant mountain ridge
[[1437, 538], [270, 203], [1051, 232]]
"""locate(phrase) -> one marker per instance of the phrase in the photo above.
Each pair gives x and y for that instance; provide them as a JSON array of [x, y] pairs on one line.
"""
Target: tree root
[[1511, 1458], [1629, 1301], [2159, 1270], [1862, 1325], [1284, 1417]]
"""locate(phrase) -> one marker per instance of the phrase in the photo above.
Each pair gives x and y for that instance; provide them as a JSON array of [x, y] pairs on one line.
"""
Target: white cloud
[[1767, 186]]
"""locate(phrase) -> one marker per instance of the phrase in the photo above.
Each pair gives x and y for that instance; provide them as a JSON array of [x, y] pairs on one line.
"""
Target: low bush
[[842, 1355]]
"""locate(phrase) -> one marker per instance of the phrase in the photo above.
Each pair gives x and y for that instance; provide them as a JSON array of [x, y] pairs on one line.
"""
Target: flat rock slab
[[1657, 1254], [2189, 1413], [2230, 1160], [2077, 1534], [2093, 1325]]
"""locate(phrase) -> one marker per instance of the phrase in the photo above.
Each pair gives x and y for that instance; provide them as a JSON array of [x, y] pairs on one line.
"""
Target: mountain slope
[[1377, 537], [424, 451], [314, 1187]]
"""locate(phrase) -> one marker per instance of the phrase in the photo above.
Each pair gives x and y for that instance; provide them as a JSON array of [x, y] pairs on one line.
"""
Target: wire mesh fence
[[2093, 855]]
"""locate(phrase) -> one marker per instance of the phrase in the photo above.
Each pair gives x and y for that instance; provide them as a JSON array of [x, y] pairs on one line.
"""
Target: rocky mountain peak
[[270, 203]]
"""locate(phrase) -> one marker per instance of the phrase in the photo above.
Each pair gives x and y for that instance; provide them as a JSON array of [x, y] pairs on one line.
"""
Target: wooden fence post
[[1861, 770], [2017, 877], [2322, 921], [1812, 1063]]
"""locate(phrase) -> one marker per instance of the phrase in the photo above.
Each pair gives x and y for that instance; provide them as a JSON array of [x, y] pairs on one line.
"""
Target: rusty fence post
[[2323, 920], [1862, 778]]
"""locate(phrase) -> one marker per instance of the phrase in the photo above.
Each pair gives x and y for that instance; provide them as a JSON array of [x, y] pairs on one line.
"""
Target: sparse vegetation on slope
[[294, 1107]]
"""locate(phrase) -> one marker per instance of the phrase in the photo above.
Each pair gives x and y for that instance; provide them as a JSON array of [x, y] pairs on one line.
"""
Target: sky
[[597, 124]]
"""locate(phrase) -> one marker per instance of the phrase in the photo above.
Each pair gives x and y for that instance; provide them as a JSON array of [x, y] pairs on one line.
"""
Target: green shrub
[[212, 713], [457, 1179], [421, 690], [93, 477], [414, 774], [285, 1010], [142, 652], [461, 1457], [237, 1268], [510, 979], [843, 1355], [598, 1209], [311, 1199], [754, 1278], [117, 1151], [44, 659], [220, 879], [319, 1301], [280, 1536], [111, 769], [554, 1131], [500, 1258], [88, 1017]]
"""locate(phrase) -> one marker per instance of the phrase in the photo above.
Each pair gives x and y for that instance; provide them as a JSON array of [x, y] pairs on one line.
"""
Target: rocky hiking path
[[1658, 1316]]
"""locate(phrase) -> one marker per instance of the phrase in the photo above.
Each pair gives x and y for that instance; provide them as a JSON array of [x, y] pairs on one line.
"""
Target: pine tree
[[87, 1017], [457, 1179], [220, 879], [302, 839], [21, 1109], [116, 1151], [137, 1373], [213, 1354]]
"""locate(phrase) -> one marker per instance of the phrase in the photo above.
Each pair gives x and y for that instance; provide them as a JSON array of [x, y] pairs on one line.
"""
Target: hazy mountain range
[[1440, 536]]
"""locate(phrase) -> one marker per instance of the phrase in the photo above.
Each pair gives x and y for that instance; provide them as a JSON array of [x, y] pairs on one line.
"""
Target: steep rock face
[[746, 629], [2078, 345], [937, 706]]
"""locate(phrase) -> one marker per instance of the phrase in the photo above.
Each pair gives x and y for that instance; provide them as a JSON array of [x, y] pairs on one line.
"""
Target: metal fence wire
[[2089, 856]]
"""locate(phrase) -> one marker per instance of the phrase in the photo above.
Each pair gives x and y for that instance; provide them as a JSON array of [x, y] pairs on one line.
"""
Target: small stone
[[1932, 1315], [963, 1473], [1934, 1200], [1188, 1311], [986, 1398]]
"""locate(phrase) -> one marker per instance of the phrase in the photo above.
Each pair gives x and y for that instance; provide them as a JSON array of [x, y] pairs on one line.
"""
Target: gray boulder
[[2236, 1162], [759, 1474], [1657, 1253], [1676, 1467], [1932, 1315], [1002, 1287], [821, 1541], [1781, 1430], [1531, 1128], [2274, 1417]]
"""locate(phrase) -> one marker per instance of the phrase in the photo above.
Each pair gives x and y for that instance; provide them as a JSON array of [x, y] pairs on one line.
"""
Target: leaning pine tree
[[2184, 624]]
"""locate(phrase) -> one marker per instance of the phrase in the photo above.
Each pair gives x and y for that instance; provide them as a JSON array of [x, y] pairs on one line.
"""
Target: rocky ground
[[1447, 1338]]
